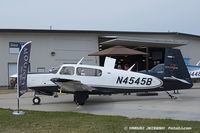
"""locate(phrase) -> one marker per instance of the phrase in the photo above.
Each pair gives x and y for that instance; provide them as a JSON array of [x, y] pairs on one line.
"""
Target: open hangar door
[[156, 56], [12, 69], [154, 47]]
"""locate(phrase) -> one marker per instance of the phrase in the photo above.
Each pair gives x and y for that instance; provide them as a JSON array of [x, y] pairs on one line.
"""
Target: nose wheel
[[36, 100]]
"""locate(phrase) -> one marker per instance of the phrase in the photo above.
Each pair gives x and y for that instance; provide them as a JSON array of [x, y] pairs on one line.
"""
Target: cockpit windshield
[[158, 69], [54, 70]]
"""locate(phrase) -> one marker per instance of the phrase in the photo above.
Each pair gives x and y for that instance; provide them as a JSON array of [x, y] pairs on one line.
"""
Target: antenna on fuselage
[[80, 61], [131, 67]]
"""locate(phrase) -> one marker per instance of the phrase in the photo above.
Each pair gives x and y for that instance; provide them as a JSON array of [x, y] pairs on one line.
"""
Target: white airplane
[[84, 80]]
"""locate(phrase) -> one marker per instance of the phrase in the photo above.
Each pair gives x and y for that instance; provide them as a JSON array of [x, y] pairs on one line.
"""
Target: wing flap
[[70, 85]]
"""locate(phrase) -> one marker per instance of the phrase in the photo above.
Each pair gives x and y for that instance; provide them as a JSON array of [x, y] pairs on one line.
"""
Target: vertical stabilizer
[[109, 62], [175, 67]]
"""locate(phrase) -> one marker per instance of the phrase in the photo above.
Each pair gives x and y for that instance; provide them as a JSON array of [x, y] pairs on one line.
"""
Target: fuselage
[[103, 79], [194, 71], [96, 77]]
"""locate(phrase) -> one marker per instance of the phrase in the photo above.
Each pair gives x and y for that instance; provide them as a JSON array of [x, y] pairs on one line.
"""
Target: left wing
[[71, 85]]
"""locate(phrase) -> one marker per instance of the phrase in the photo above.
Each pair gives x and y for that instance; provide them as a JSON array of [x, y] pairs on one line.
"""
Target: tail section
[[175, 68]]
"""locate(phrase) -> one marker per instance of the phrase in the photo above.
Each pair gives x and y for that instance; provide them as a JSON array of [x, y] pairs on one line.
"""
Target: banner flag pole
[[22, 70]]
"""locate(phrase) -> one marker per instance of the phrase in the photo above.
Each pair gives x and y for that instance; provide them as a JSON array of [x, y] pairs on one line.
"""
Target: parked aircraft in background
[[84, 80], [194, 70]]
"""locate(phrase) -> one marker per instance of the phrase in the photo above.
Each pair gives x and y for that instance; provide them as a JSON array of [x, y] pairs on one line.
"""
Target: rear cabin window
[[82, 71], [67, 71]]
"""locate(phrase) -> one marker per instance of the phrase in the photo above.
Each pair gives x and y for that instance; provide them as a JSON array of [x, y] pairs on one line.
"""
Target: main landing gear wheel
[[80, 98], [36, 100]]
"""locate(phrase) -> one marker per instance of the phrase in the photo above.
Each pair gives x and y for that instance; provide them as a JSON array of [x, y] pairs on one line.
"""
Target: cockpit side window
[[67, 71], [83, 71]]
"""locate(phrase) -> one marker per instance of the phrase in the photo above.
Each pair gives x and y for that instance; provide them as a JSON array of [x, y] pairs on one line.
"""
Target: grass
[[64, 122]]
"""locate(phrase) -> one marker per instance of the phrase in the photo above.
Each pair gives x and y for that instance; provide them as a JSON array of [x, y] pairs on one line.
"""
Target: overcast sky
[[115, 15]]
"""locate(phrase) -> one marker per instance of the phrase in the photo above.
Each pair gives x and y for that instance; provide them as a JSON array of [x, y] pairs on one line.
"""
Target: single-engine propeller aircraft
[[84, 80]]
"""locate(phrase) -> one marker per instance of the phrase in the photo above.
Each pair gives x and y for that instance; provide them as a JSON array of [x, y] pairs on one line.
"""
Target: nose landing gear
[[36, 100]]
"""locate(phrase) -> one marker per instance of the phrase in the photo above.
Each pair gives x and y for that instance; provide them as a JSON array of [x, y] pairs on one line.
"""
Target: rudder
[[175, 67]]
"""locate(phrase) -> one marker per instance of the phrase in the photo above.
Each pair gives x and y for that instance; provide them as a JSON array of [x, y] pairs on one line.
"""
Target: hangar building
[[51, 48]]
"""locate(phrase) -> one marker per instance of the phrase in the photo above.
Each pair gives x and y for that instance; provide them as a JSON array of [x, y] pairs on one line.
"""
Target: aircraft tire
[[81, 102], [80, 98], [36, 100]]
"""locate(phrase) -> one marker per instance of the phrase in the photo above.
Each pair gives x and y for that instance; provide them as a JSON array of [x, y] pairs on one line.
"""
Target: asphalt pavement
[[186, 107]]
